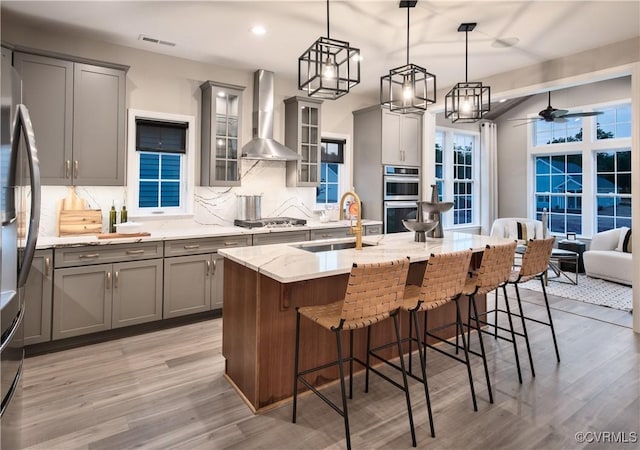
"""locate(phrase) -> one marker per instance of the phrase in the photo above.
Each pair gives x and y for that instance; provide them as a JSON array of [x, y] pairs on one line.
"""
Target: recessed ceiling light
[[258, 30], [503, 100]]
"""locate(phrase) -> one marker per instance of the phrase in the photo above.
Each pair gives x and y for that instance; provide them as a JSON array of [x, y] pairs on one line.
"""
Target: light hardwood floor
[[165, 389]]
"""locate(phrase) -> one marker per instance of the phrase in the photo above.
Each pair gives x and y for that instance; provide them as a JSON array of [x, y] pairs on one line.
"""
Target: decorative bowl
[[423, 227]]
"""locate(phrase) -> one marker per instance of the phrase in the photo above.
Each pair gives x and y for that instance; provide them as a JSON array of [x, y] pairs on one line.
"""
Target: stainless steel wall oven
[[401, 188]]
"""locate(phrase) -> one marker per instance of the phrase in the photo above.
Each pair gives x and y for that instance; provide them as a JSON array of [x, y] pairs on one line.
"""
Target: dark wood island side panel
[[259, 331]]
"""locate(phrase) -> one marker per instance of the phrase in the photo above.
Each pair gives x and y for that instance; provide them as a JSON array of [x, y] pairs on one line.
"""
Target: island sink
[[317, 248]]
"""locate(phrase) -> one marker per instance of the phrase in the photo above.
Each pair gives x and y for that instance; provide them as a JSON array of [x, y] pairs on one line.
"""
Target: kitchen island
[[264, 285]]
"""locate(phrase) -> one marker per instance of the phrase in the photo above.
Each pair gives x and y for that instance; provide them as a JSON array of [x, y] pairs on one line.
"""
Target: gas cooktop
[[270, 222]]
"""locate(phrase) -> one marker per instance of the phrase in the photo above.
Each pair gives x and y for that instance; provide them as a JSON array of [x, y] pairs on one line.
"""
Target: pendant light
[[329, 68], [467, 102], [409, 88]]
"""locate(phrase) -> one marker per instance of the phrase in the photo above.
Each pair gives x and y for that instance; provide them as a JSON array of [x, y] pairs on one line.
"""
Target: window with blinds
[[161, 147]]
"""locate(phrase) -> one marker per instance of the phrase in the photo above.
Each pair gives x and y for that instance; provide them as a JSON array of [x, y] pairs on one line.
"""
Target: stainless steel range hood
[[263, 146]]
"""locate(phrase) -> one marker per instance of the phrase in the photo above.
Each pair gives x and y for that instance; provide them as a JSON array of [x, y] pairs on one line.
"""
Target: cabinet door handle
[[230, 243], [208, 267], [75, 169], [47, 266], [191, 247], [67, 169], [135, 252], [116, 277], [108, 286], [89, 255], [215, 266]]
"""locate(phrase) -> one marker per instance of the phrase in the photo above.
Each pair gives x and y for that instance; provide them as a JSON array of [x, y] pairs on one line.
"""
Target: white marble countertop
[[191, 231], [287, 263]]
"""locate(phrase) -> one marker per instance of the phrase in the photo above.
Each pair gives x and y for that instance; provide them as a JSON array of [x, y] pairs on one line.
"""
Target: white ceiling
[[218, 31]]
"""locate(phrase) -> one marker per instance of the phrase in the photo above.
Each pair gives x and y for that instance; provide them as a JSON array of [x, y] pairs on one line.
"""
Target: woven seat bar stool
[[493, 273], [535, 263], [442, 283], [374, 293]]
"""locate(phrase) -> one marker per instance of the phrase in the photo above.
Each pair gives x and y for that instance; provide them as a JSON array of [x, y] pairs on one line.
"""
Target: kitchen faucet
[[357, 230]]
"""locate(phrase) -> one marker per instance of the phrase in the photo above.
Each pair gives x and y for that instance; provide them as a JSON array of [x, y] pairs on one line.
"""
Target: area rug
[[589, 290]]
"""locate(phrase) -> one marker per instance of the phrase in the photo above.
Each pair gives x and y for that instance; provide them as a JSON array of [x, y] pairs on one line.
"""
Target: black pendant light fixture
[[329, 68], [409, 88], [467, 102]]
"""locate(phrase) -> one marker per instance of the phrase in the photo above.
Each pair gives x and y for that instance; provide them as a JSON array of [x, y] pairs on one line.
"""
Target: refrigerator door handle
[[23, 124]]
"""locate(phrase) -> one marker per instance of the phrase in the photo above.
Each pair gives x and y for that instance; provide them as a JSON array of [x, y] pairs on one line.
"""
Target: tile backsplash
[[212, 205]]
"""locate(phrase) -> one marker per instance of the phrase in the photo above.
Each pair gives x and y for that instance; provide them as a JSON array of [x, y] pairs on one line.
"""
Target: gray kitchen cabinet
[[137, 292], [47, 90], [302, 134], [401, 139], [372, 229], [99, 287], [331, 233], [192, 284], [78, 116], [98, 126], [385, 137], [38, 297], [99, 297], [81, 300], [281, 237], [220, 131]]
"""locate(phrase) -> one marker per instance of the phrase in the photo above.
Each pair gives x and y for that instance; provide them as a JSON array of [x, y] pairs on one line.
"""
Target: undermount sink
[[317, 248]]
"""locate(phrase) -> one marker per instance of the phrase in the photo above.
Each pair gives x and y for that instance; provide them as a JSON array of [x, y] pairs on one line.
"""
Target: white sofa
[[507, 227], [602, 260]]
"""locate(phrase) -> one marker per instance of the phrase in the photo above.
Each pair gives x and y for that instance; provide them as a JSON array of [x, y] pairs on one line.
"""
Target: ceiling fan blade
[[559, 113], [584, 114], [560, 119], [526, 123]]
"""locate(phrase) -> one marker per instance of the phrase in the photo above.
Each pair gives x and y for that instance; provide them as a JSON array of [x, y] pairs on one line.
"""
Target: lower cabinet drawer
[[280, 237], [372, 229], [109, 253], [330, 233], [204, 245]]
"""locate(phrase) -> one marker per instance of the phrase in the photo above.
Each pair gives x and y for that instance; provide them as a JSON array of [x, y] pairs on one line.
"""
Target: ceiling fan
[[551, 114]]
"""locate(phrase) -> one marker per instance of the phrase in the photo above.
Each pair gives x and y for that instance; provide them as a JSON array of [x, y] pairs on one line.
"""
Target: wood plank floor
[[165, 389]]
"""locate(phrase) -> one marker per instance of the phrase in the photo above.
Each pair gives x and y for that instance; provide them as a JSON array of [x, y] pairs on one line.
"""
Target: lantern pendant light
[[409, 88], [467, 102], [329, 68]]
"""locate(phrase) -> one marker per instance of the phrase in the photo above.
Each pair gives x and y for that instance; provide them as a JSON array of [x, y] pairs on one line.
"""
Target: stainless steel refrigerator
[[20, 205]]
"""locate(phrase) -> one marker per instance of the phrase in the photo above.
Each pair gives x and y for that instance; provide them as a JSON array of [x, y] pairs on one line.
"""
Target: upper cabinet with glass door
[[221, 127], [302, 134]]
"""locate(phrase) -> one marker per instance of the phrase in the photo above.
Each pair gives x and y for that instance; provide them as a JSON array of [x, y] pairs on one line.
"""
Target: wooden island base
[[259, 316]]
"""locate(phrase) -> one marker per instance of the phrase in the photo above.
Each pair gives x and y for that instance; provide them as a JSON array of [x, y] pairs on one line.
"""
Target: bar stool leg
[[553, 331], [368, 361], [524, 330], [404, 380], [345, 413], [466, 356], [495, 328], [513, 335], [472, 300], [423, 367], [351, 364], [411, 344], [295, 369]]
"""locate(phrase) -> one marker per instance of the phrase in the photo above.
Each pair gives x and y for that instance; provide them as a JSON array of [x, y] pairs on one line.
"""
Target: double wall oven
[[401, 187]]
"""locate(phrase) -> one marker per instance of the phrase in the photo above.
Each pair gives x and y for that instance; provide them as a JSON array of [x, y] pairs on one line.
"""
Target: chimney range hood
[[263, 146]]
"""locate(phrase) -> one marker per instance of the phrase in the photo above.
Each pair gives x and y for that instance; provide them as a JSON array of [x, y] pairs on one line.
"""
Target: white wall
[[512, 140], [167, 84]]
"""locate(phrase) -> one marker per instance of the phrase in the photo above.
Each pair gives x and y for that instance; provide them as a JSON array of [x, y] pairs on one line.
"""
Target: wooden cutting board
[[75, 219]]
